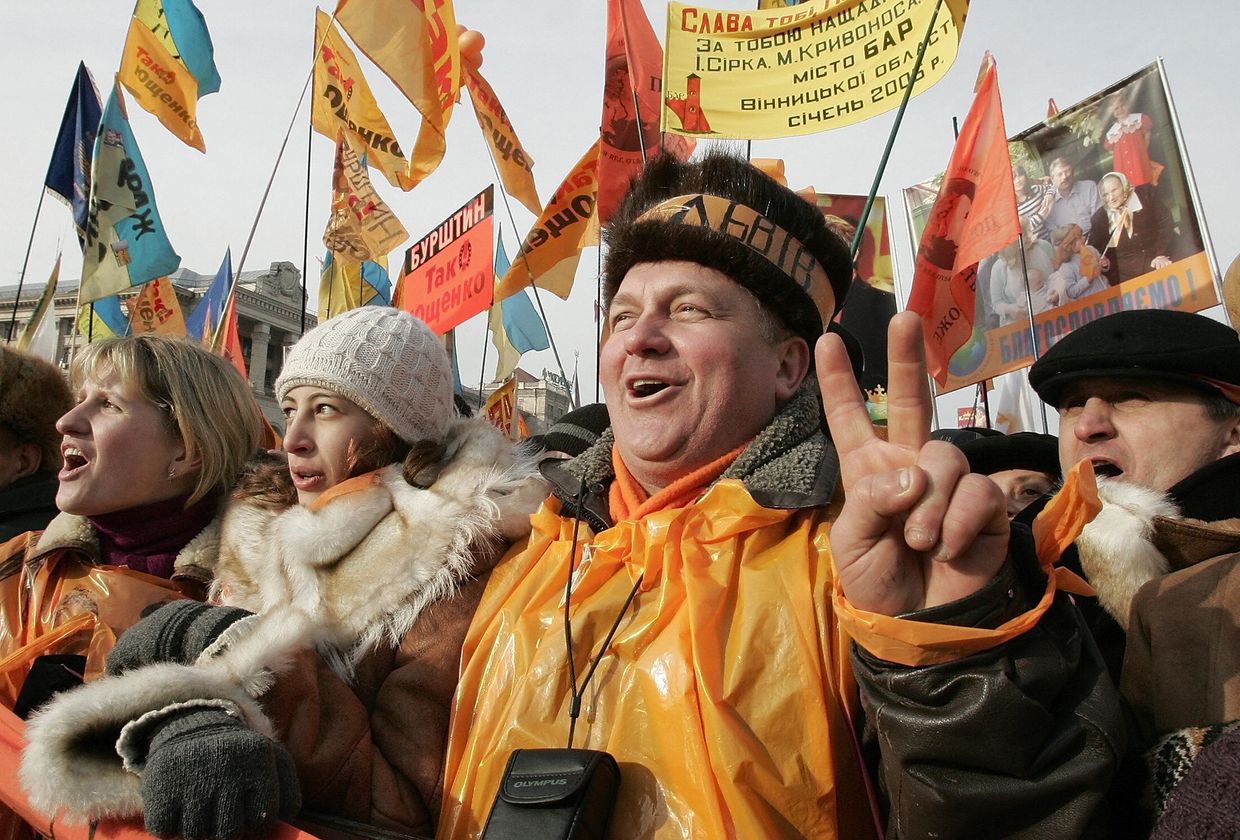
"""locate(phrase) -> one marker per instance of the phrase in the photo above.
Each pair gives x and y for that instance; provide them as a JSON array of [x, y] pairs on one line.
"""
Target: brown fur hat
[[33, 396], [630, 241]]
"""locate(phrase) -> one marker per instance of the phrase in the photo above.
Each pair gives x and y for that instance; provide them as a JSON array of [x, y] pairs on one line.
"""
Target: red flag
[[229, 342], [974, 216], [630, 123], [1051, 108]]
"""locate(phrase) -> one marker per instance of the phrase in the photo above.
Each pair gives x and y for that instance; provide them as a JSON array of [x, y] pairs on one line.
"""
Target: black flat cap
[[1147, 344]]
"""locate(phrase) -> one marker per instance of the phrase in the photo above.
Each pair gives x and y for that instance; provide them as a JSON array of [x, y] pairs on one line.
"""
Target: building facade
[[269, 320]]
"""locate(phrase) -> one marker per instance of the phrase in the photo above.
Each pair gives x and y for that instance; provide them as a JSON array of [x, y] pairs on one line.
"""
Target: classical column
[[260, 337]]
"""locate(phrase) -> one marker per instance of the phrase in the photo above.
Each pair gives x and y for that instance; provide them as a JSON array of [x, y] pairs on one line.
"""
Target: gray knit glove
[[208, 776], [176, 632]]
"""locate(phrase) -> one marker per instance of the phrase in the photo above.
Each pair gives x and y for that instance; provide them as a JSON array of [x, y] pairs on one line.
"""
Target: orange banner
[[448, 273], [1185, 285], [552, 249], [415, 44], [632, 103], [362, 226], [501, 411], [516, 167], [342, 100], [160, 83], [973, 216]]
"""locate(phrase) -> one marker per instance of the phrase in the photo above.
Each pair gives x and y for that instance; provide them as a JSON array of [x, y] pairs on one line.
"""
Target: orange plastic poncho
[[59, 602], [725, 695]]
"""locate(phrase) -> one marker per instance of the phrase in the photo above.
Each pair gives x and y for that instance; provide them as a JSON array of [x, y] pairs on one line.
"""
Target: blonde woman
[[349, 577], [159, 431]]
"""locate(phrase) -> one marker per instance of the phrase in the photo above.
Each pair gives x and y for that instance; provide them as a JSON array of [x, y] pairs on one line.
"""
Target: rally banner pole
[[521, 253], [21, 279], [895, 127], [305, 235], [1033, 331]]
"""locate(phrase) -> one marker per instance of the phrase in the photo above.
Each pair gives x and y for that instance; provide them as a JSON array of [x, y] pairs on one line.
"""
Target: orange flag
[[415, 44], [629, 133], [230, 342], [516, 167], [552, 249], [974, 216], [361, 226]]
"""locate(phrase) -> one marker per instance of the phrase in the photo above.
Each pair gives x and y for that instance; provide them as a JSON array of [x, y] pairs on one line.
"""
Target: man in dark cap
[[1152, 399], [728, 540], [1025, 465]]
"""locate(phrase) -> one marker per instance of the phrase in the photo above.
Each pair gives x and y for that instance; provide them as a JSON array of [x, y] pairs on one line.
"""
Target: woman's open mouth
[[308, 481], [75, 462]]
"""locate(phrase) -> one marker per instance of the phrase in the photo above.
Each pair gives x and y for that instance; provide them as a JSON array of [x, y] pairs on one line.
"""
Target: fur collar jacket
[[1143, 534], [790, 465], [367, 557], [350, 574], [69, 532]]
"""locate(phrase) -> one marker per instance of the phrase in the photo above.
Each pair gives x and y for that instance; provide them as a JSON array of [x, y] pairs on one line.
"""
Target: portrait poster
[[1112, 166]]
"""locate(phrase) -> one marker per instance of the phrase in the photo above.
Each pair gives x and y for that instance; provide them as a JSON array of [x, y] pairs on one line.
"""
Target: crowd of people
[[724, 604]]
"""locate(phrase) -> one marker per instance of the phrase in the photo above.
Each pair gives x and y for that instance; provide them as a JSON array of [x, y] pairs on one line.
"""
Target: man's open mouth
[[647, 387], [1106, 469]]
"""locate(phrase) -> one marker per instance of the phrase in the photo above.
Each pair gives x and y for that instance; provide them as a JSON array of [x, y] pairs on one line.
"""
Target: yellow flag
[[516, 167], [415, 44], [158, 81], [552, 249], [341, 287], [361, 226], [38, 318], [342, 100], [156, 310], [509, 356]]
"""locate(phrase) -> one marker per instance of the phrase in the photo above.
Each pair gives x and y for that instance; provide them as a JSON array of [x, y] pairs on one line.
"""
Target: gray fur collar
[[790, 464]]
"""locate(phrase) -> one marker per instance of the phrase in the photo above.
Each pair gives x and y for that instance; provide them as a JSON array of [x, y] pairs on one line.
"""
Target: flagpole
[[521, 253], [1033, 331], [305, 234], [599, 315], [21, 278], [232, 289], [895, 127]]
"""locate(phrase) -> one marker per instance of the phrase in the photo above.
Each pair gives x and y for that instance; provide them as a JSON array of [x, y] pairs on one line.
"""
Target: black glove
[[176, 632], [208, 776]]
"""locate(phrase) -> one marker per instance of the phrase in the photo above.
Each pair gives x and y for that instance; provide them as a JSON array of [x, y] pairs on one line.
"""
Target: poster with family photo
[[1109, 223]]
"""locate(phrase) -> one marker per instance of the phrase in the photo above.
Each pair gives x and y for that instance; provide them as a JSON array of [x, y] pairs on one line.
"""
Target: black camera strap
[[574, 708]]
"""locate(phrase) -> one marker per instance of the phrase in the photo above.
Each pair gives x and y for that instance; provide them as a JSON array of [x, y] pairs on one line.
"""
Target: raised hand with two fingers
[[917, 529]]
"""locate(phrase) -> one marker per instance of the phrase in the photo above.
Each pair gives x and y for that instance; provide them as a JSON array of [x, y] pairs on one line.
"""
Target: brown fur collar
[[364, 565]]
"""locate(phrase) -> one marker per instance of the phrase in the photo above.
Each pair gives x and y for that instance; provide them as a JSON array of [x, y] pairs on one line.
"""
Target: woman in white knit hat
[[351, 575]]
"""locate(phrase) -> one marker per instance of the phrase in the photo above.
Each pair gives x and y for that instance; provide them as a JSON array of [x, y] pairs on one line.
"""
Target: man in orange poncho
[[708, 529]]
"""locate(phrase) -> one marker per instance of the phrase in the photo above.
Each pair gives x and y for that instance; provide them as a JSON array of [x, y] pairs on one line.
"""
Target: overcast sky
[[544, 60]]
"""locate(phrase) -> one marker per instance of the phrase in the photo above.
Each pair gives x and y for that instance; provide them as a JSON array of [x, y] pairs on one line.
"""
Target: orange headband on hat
[[756, 232]]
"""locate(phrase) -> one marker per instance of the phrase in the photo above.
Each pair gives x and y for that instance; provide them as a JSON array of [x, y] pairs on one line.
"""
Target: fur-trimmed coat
[[1166, 567], [380, 576], [54, 577]]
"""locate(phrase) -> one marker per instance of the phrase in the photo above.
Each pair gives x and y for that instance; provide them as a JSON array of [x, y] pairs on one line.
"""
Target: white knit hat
[[383, 359]]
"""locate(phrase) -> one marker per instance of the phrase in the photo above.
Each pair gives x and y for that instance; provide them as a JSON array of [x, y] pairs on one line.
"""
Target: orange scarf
[[629, 500]]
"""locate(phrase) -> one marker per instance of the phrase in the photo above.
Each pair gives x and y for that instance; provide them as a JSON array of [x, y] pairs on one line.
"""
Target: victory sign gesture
[[917, 528]]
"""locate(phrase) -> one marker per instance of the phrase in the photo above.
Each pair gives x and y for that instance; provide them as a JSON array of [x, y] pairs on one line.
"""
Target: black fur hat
[[632, 240]]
